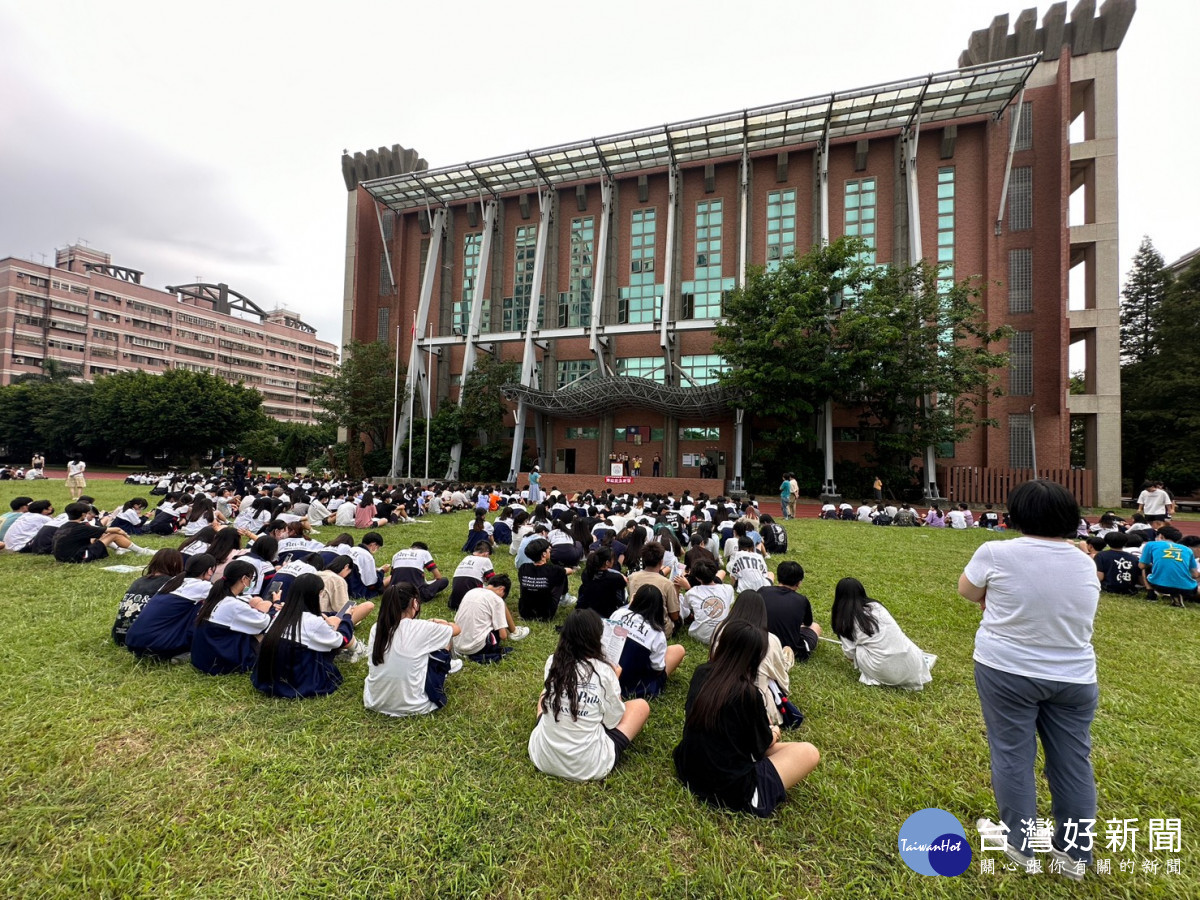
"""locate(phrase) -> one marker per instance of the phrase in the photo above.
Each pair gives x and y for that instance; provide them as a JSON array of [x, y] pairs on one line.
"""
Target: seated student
[[477, 535], [412, 565], [1170, 567], [26, 526], [296, 659], [78, 541], [365, 578], [564, 549], [474, 571], [485, 620], [906, 516], [748, 568], [409, 658], [202, 514], [603, 586], [364, 513], [335, 592], [1108, 523], [18, 507], [774, 678], [262, 555], [730, 755], [253, 517], [646, 661], [828, 511], [935, 518], [651, 557], [318, 513], [789, 614], [774, 535], [230, 623], [343, 516], [1140, 523], [164, 628], [543, 583], [989, 518], [130, 518], [873, 641], [297, 543], [226, 546], [583, 726], [1117, 570], [163, 566], [707, 602], [865, 511]]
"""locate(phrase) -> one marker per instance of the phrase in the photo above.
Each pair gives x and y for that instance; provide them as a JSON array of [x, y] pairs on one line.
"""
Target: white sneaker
[[988, 828], [120, 551], [568, 600], [930, 660], [519, 633], [144, 551], [1070, 868], [357, 652], [455, 666]]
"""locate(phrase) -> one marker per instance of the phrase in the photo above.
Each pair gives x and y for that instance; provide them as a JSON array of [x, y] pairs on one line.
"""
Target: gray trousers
[[1017, 710]]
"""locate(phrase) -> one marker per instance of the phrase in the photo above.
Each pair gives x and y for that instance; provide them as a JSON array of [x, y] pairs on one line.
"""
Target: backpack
[[882, 519], [775, 538]]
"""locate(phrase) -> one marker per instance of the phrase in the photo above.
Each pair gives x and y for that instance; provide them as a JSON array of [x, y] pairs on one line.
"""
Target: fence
[[968, 484]]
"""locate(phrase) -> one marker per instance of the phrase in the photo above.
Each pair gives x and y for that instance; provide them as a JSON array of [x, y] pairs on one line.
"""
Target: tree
[[1145, 287], [286, 444], [179, 414], [355, 397]]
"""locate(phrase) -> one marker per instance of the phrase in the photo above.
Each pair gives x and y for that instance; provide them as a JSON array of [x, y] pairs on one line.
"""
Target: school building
[[92, 317], [600, 265]]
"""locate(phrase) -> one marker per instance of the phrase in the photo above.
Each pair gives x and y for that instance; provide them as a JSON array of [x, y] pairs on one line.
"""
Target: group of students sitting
[[1142, 555], [957, 516]]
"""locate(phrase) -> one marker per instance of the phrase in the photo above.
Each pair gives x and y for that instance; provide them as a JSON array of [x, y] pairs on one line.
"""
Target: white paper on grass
[[124, 569]]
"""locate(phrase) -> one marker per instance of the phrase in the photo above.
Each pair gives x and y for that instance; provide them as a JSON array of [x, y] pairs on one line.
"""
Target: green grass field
[[125, 779]]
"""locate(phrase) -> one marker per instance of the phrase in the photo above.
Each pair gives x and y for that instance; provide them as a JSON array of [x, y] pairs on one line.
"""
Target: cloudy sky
[[203, 141]]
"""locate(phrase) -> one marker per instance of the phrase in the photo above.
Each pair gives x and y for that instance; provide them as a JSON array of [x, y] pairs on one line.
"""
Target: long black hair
[[397, 599], [203, 536], [224, 543], [850, 610], [748, 606], [596, 561], [221, 588], [732, 671], [579, 644], [303, 596], [197, 567], [648, 603], [201, 507], [265, 548], [167, 561]]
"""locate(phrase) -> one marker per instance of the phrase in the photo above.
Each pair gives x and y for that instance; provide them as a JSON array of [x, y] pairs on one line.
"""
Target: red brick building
[[600, 265]]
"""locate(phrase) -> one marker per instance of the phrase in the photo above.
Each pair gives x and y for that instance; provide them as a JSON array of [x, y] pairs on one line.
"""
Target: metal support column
[[416, 377], [598, 275], [664, 335], [471, 351], [528, 362], [829, 487], [743, 261]]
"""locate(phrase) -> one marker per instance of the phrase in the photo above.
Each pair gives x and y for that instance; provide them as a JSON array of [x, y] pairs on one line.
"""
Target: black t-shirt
[[718, 765], [605, 593], [541, 589], [1120, 571], [787, 612], [131, 604], [72, 538]]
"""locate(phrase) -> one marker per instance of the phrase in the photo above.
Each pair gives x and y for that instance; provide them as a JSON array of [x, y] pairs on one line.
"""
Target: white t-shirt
[[865, 513], [1153, 503], [957, 519], [476, 567], [481, 612], [1040, 607], [749, 569], [710, 605], [397, 687], [238, 615], [579, 749]]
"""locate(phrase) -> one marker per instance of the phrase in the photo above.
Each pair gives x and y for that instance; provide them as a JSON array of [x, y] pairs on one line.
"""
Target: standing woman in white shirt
[[75, 480], [583, 726], [1035, 668]]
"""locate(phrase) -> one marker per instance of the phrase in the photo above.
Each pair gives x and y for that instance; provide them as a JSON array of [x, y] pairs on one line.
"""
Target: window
[[860, 214], [1020, 199], [700, 434], [1020, 364], [472, 243], [945, 230], [781, 227], [642, 367], [701, 370], [385, 277], [704, 296], [1024, 128], [585, 434], [516, 307], [571, 370], [575, 304], [1020, 441], [1020, 280], [389, 224], [382, 331], [31, 300], [639, 301]]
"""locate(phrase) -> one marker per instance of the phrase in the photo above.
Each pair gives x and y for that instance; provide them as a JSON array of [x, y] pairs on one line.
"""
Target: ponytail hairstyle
[[597, 561], [579, 644], [303, 596], [648, 603], [197, 567], [733, 668], [139, 502], [234, 572], [397, 600], [203, 536], [850, 610]]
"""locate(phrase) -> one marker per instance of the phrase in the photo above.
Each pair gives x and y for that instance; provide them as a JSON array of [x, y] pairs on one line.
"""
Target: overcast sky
[[204, 141]]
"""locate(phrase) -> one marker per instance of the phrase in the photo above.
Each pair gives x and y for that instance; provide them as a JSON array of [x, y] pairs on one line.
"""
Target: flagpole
[[428, 398], [395, 407]]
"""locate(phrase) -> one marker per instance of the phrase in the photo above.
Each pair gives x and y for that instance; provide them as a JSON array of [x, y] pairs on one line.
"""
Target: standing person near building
[[535, 486], [637, 466], [656, 465], [1035, 670], [878, 488], [75, 480], [785, 494], [1155, 503], [793, 494]]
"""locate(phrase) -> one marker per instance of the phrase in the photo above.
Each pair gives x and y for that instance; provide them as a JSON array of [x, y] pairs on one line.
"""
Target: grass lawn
[[125, 779]]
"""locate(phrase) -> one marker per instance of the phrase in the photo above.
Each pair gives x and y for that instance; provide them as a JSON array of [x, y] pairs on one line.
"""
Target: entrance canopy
[[598, 395]]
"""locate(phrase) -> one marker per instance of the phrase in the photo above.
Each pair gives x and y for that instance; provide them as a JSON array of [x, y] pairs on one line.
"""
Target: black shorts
[[94, 550], [769, 791], [1186, 593], [620, 742], [1159, 518]]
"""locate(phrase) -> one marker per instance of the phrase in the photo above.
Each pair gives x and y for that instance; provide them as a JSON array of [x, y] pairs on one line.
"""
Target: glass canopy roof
[[958, 94]]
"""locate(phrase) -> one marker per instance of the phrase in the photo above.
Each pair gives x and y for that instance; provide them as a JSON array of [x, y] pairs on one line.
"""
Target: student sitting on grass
[[365, 578], [412, 565], [474, 571], [730, 755], [707, 602], [603, 587], [163, 566], [646, 660], [583, 727], [296, 659], [409, 657], [485, 620], [873, 641], [543, 583], [130, 518], [230, 623], [164, 628], [79, 541], [774, 672]]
